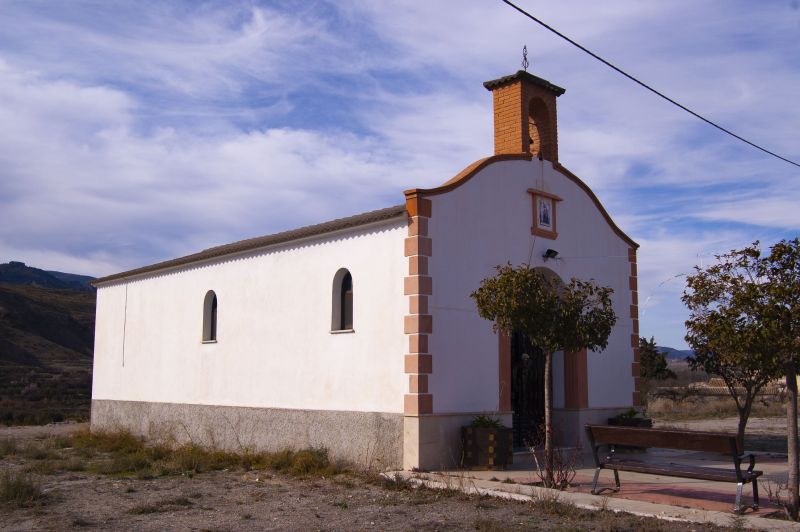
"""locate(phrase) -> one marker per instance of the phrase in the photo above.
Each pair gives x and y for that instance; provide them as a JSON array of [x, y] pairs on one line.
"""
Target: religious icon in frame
[[544, 210], [544, 213]]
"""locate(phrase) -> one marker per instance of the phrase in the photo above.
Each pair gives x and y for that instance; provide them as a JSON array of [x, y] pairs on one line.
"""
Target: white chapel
[[358, 335]]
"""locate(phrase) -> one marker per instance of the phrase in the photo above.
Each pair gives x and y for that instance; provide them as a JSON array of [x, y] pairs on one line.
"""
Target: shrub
[[124, 463], [307, 462], [8, 447], [19, 489], [38, 452], [107, 442], [483, 420], [311, 462], [127, 454], [58, 442], [280, 461]]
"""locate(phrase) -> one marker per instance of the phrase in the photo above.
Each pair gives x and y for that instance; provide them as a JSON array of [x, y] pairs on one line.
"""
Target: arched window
[[342, 301], [210, 317]]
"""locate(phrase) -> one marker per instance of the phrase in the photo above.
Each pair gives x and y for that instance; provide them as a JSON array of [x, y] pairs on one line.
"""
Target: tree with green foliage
[[653, 362], [652, 366], [728, 328], [554, 317], [745, 323], [782, 268]]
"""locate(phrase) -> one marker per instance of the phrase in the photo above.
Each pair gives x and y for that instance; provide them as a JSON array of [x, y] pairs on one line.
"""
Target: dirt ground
[[264, 500]]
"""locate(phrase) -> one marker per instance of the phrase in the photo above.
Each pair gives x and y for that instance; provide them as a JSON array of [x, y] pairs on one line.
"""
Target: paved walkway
[[659, 496]]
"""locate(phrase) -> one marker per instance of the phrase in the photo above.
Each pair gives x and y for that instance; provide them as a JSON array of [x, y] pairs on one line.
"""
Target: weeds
[[19, 489], [124, 455], [738, 522], [121, 464], [603, 504], [58, 442], [8, 447], [777, 494], [45, 467], [311, 462], [35, 451], [120, 441], [549, 502], [394, 483], [161, 506], [564, 462]]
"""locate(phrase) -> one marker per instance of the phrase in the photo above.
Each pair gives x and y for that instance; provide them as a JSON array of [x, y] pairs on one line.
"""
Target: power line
[[648, 87]]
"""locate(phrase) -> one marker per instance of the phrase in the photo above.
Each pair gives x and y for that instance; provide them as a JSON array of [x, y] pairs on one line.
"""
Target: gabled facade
[[359, 335]]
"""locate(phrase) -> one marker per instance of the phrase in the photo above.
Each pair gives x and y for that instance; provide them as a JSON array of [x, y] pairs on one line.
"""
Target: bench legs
[[737, 505], [755, 494], [595, 491]]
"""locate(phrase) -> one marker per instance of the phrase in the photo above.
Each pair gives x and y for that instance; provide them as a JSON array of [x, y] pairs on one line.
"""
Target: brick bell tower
[[525, 115]]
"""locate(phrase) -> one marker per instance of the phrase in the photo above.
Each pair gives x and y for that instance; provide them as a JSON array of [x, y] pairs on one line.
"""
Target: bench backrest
[[664, 438]]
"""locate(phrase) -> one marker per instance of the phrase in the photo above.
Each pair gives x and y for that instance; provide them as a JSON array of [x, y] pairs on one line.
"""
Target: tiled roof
[[525, 76], [263, 241]]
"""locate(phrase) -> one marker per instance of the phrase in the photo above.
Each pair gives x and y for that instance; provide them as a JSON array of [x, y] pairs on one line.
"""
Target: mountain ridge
[[18, 273], [675, 354], [46, 345]]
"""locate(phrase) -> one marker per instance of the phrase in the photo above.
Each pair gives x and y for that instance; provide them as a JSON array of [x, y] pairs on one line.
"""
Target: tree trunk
[[744, 415], [791, 435], [548, 420]]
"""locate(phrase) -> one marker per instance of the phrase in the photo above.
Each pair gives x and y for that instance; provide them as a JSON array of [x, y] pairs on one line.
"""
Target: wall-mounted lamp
[[550, 254]]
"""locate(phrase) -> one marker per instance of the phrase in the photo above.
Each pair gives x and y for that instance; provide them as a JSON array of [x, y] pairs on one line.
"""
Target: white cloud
[[776, 209], [139, 132]]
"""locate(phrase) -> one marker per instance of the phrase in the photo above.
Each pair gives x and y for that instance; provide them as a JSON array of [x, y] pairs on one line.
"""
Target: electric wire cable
[[648, 87]]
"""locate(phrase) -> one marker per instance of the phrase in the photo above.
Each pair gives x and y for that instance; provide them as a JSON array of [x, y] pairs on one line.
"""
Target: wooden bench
[[604, 435]]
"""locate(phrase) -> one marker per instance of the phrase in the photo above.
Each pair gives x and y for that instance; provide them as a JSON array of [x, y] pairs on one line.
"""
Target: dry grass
[[280, 501], [394, 483], [121, 454], [708, 407], [8, 447], [674, 399], [19, 489], [161, 506]]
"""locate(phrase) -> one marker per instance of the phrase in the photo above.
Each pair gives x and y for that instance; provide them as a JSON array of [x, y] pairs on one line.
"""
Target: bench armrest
[[751, 458]]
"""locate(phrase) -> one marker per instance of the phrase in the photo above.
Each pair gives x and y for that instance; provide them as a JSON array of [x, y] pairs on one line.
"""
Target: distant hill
[[75, 281], [46, 345], [675, 354], [19, 273]]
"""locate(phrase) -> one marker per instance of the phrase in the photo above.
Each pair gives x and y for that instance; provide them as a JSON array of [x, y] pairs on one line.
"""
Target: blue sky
[[133, 132]]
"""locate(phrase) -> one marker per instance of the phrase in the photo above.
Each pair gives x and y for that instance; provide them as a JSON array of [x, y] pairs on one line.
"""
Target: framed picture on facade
[[544, 210], [544, 213]]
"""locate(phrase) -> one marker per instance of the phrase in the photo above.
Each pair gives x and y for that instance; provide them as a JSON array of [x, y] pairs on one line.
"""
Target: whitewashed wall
[[487, 221], [274, 344]]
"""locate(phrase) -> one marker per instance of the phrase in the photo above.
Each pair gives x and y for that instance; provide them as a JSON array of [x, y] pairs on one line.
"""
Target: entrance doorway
[[527, 391]]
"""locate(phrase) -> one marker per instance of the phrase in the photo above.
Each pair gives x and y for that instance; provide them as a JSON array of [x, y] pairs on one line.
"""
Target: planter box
[[487, 447]]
